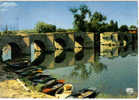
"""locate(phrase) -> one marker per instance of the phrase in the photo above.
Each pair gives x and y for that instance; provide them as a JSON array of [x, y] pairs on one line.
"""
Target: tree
[[61, 30], [97, 22], [123, 28], [133, 27], [112, 26], [42, 27], [80, 14], [116, 26]]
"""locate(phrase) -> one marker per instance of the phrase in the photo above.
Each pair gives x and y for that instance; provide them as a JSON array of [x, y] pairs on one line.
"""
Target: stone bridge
[[21, 43]]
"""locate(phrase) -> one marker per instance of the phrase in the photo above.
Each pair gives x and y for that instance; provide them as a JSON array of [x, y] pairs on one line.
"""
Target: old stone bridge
[[21, 43]]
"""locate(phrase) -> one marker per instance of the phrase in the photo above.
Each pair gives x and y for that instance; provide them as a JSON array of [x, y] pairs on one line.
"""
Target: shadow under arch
[[40, 44], [15, 50], [80, 40], [40, 59], [62, 42], [79, 56], [60, 58]]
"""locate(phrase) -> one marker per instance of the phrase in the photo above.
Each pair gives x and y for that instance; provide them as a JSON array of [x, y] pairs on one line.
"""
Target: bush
[[42, 27], [60, 30]]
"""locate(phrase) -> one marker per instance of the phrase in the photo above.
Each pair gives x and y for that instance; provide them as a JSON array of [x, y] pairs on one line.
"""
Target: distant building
[[109, 38], [132, 30]]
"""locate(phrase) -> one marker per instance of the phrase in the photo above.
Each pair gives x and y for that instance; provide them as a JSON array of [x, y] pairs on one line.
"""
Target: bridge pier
[[66, 40], [48, 41], [85, 39]]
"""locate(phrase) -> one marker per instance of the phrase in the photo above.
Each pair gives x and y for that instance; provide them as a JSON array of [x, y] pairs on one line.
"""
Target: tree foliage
[[123, 28], [61, 30], [80, 14], [85, 21], [42, 27], [97, 22], [133, 27]]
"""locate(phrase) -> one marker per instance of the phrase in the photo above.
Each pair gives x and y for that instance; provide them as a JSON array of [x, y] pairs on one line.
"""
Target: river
[[110, 69]]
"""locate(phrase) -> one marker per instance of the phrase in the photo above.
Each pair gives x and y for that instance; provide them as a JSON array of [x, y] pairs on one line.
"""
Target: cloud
[[6, 5]]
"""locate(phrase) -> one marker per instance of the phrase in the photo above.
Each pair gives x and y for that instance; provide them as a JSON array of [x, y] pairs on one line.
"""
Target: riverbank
[[11, 88]]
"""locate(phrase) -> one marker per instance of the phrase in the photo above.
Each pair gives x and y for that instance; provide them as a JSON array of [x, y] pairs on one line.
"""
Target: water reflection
[[108, 51], [91, 67], [81, 71], [79, 56], [61, 57], [98, 66]]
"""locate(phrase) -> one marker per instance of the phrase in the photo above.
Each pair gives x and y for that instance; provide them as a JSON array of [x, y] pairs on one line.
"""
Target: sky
[[24, 14]]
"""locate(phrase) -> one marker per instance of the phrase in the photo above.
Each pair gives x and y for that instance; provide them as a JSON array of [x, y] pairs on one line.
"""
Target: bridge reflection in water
[[88, 67], [61, 58]]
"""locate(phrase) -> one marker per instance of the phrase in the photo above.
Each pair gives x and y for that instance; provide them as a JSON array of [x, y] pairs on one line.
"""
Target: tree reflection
[[82, 71], [99, 67], [127, 50]]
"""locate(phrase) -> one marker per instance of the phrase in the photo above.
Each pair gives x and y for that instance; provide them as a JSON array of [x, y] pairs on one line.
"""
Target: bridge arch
[[16, 50], [80, 40], [39, 45], [61, 42], [13, 48]]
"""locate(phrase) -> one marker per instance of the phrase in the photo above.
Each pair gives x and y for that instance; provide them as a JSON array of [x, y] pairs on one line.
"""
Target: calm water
[[110, 69]]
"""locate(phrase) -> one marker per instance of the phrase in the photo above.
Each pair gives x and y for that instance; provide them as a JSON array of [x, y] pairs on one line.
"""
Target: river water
[[111, 69]]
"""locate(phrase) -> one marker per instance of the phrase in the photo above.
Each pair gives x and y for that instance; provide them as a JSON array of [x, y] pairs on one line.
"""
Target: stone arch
[[40, 44], [40, 59], [62, 42], [15, 49], [80, 40]]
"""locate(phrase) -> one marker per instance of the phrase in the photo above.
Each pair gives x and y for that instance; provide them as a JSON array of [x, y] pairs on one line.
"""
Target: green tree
[[80, 15], [42, 27], [123, 28], [85, 21], [133, 27], [70, 30], [97, 22], [61, 30], [103, 27], [112, 26], [116, 26]]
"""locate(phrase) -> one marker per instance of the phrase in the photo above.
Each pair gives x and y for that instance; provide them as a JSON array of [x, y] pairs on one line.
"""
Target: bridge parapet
[[48, 41]]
